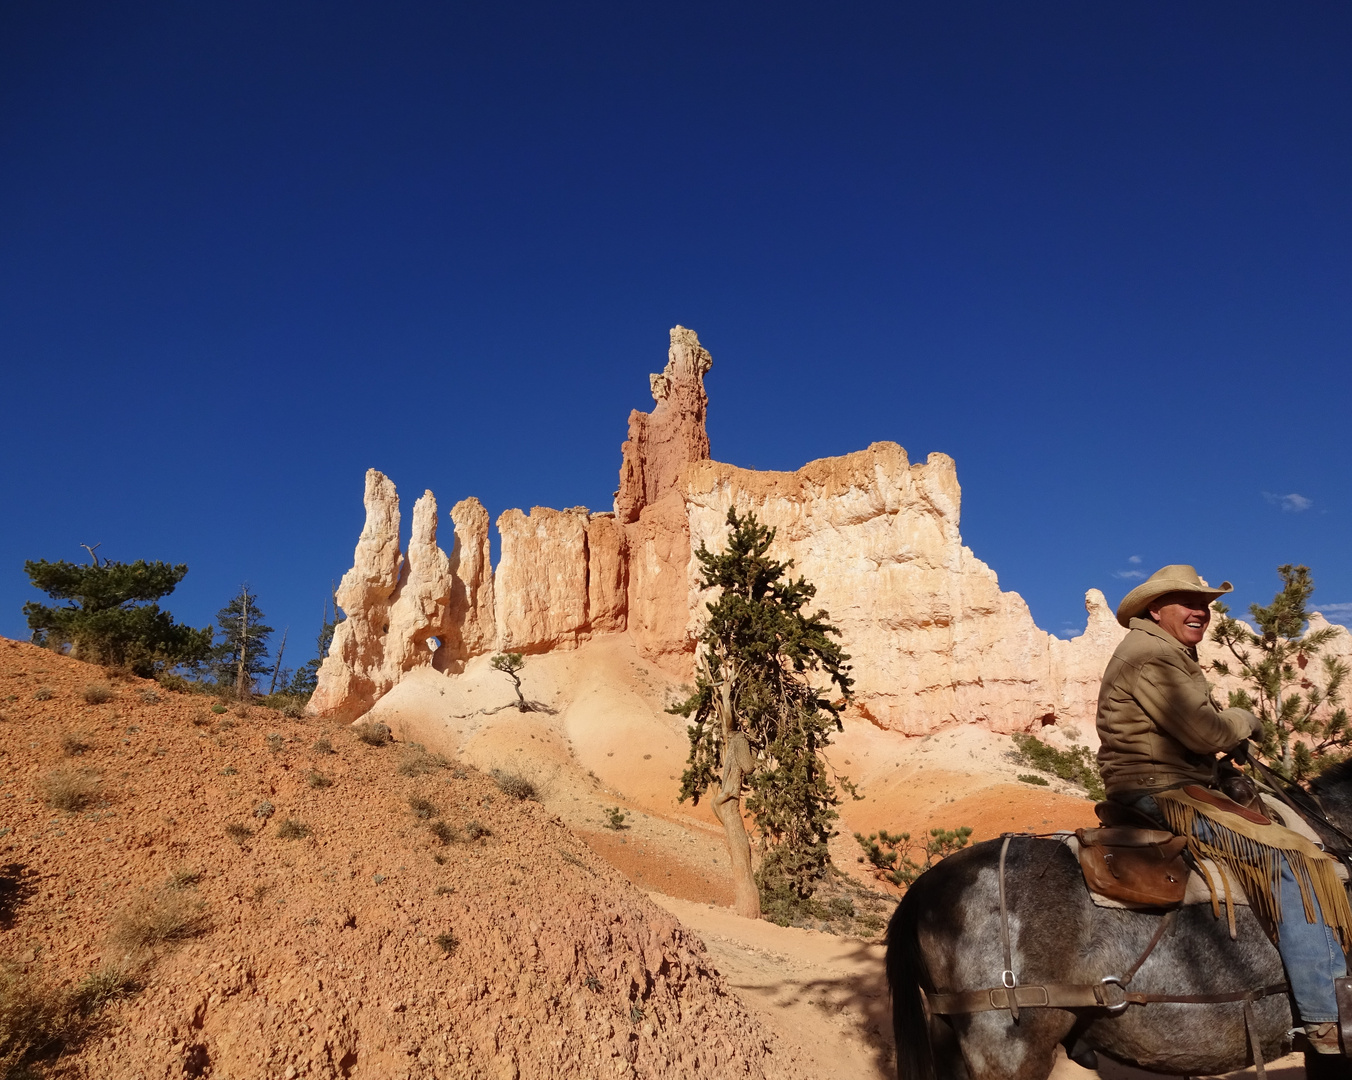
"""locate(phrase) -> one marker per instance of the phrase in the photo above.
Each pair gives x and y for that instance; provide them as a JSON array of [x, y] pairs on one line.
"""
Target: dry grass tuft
[[416, 761], [149, 696], [74, 745], [68, 789], [158, 920], [42, 693], [37, 1021], [371, 734], [422, 808], [323, 746], [98, 693], [238, 832], [291, 829], [184, 876], [515, 785], [318, 780], [111, 982], [447, 942], [275, 742], [474, 830], [443, 832]]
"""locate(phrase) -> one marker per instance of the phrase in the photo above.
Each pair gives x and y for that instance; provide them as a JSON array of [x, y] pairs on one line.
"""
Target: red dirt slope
[[319, 956]]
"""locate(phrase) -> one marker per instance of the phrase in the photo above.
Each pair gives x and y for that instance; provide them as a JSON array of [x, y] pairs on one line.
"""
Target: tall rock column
[[541, 581], [661, 442], [349, 674], [651, 505], [420, 609], [472, 589]]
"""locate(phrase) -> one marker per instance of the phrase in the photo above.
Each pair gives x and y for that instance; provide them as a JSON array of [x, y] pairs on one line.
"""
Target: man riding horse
[[1160, 735]]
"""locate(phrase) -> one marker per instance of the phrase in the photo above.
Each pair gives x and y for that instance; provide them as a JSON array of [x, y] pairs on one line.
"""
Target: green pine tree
[[306, 678], [759, 723], [242, 654], [1302, 720], [111, 616]]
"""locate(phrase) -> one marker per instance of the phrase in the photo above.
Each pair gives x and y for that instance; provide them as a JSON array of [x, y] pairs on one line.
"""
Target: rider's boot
[[1323, 1038]]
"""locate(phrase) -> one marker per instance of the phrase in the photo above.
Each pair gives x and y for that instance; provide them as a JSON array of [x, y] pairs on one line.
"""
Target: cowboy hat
[[1178, 578]]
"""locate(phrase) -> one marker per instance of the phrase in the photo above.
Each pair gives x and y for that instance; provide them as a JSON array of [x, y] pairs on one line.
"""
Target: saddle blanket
[[1228, 889]]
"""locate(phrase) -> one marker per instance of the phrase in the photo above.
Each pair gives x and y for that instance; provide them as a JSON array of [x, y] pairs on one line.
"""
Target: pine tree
[[242, 655], [759, 722], [112, 617], [306, 678], [1302, 721]]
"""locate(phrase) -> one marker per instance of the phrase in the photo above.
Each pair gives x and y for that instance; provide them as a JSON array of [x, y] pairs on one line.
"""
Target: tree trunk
[[276, 669], [241, 674], [727, 807]]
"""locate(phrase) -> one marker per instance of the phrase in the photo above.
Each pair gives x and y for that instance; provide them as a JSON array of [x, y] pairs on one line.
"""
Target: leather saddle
[[1131, 863]]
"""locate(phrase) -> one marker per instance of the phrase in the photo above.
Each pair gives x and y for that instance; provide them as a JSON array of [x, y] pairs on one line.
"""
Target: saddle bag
[[1142, 867]]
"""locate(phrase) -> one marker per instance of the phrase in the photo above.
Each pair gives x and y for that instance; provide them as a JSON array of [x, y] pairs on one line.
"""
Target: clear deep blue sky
[[1100, 254]]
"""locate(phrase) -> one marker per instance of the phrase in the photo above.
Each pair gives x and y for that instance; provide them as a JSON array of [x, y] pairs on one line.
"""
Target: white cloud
[[1337, 613], [1130, 575], [1290, 504], [1135, 560]]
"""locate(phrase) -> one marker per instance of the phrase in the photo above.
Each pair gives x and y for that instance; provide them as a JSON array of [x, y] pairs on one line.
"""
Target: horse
[[946, 936]]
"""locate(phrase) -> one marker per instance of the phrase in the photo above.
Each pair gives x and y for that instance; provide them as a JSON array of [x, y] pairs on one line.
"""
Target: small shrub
[[238, 832], [443, 832], [36, 1022], [149, 696], [291, 829], [201, 720], [371, 734], [318, 780], [518, 787], [183, 877], [592, 983], [615, 818], [293, 709], [416, 761], [225, 725], [109, 983], [444, 890], [74, 745], [322, 745], [476, 831], [158, 920], [636, 1014], [1077, 765], [895, 856], [42, 693], [98, 693], [447, 942], [422, 808], [275, 742], [69, 789], [264, 810], [1030, 778], [230, 770], [218, 708]]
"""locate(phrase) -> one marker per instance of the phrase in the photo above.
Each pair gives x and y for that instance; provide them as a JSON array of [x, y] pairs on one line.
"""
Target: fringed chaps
[[1252, 852]]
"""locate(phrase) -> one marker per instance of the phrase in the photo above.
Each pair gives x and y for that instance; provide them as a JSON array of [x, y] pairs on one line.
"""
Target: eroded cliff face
[[934, 640]]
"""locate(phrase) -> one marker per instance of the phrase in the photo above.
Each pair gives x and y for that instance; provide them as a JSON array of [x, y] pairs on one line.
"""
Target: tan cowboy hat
[[1178, 578]]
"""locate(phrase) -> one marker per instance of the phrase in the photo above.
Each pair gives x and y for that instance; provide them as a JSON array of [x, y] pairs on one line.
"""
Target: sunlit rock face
[[934, 641]]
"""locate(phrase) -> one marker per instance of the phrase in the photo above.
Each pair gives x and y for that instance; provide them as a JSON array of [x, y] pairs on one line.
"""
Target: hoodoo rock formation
[[933, 638]]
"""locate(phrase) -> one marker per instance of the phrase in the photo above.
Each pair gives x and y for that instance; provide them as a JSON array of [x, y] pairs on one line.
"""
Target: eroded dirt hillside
[[279, 899]]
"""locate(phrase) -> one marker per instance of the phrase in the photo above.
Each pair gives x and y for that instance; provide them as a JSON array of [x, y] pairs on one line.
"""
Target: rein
[[1011, 995]]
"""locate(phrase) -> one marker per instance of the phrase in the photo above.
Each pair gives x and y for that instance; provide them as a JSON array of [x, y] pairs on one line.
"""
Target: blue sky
[[1100, 254]]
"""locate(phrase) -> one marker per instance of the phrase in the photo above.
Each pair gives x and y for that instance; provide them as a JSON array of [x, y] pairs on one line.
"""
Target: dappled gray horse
[[946, 937]]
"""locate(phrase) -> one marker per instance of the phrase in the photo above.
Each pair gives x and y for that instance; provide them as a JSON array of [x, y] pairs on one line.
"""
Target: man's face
[[1184, 615]]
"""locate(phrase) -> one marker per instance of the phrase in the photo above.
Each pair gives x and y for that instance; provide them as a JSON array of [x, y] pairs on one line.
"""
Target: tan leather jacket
[[1157, 723]]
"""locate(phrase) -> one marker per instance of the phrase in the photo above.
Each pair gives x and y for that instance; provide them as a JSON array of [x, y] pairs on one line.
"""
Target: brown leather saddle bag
[[1143, 867]]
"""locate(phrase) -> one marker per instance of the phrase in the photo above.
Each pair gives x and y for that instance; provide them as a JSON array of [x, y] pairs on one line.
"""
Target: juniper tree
[[759, 722], [511, 664], [111, 616], [243, 652], [1302, 720]]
